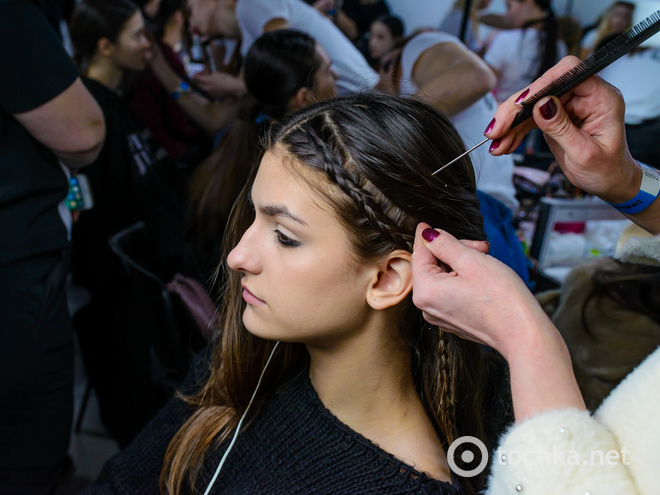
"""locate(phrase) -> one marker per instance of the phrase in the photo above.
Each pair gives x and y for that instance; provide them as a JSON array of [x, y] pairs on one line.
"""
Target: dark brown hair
[[376, 154], [96, 19], [548, 35]]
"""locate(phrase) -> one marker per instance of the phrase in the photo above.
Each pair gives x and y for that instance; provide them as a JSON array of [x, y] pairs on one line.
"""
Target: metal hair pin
[[460, 156]]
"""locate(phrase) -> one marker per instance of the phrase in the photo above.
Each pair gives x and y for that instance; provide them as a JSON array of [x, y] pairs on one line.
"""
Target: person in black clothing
[[359, 389], [46, 116], [133, 179]]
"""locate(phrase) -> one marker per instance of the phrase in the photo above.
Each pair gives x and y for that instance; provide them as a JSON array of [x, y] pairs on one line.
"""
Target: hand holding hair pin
[[581, 72]]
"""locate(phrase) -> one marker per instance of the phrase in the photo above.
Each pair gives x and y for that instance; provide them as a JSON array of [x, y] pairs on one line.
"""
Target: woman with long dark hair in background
[[133, 179], [520, 55]]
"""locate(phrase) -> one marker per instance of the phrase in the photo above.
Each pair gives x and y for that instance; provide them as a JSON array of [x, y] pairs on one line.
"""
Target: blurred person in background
[[453, 23], [616, 19], [184, 140], [248, 19], [133, 179], [520, 55], [384, 33], [285, 70], [636, 75], [50, 126]]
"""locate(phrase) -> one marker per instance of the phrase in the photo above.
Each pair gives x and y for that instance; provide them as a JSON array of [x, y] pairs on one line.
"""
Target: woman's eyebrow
[[277, 210]]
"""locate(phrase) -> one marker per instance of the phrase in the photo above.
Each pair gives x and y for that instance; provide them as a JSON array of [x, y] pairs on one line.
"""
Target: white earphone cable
[[238, 427]]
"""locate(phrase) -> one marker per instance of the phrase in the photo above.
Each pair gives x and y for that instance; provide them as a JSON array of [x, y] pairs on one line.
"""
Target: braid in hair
[[327, 152], [371, 157], [447, 407]]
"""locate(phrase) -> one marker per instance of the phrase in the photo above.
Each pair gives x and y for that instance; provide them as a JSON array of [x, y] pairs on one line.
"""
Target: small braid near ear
[[338, 165]]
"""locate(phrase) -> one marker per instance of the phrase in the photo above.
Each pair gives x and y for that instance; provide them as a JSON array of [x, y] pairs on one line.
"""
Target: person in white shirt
[[249, 19], [636, 75], [520, 55], [441, 70]]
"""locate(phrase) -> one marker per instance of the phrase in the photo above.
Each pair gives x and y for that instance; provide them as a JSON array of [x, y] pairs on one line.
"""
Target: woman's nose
[[243, 258]]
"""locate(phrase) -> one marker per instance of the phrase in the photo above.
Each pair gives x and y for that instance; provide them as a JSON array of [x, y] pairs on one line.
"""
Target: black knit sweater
[[294, 446]]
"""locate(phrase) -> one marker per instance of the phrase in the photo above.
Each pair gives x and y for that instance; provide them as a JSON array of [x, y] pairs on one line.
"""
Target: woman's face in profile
[[386, 84], [518, 12], [325, 78], [131, 49], [300, 281]]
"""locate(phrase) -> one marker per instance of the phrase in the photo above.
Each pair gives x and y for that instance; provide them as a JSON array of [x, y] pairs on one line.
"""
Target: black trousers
[[36, 373]]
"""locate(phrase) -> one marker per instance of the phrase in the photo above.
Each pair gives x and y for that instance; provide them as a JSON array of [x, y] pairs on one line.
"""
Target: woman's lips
[[251, 298]]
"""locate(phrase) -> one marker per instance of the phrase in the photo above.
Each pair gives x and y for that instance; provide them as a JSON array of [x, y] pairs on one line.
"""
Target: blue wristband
[[648, 192], [183, 87]]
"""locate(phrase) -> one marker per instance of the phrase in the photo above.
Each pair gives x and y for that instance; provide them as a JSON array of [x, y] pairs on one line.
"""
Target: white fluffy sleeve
[[564, 452], [570, 452]]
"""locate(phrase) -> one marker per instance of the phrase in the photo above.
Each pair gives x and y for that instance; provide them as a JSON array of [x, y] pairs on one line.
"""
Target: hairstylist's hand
[[585, 132], [470, 293], [478, 298]]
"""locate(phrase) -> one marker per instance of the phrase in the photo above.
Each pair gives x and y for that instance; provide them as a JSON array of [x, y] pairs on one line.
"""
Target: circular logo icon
[[467, 456]]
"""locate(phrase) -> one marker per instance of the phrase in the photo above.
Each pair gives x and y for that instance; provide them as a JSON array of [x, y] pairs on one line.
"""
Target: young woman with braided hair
[[360, 395]]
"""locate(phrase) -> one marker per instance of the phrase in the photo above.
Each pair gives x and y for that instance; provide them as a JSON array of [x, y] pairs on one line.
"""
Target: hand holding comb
[[583, 71]]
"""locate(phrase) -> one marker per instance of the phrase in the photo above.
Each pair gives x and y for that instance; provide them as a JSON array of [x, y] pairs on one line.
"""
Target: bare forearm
[[457, 89], [80, 158], [541, 372], [624, 187], [209, 115]]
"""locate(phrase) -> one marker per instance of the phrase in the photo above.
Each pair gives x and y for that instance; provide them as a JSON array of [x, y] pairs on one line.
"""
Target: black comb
[[600, 59]]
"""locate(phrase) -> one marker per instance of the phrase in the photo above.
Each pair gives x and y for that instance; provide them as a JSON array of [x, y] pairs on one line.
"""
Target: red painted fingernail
[[490, 126], [494, 145], [522, 96], [548, 109], [430, 235]]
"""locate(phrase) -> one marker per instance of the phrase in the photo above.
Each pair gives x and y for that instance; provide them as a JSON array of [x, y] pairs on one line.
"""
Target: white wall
[[420, 13]]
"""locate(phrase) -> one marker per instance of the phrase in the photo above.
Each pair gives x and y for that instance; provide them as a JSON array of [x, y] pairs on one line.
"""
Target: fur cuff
[[560, 452]]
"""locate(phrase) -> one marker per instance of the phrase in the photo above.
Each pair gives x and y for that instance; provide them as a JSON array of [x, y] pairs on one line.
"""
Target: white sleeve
[[631, 413], [253, 15], [499, 52], [589, 40], [560, 452]]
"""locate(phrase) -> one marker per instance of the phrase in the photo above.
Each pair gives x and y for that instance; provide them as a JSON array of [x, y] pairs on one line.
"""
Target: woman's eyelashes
[[284, 240]]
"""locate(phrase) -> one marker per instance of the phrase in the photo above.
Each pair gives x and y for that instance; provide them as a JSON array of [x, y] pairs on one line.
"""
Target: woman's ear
[[392, 282], [105, 47], [301, 99]]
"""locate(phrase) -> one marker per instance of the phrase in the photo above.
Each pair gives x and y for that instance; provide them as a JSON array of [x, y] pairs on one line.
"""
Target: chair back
[[151, 306]]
